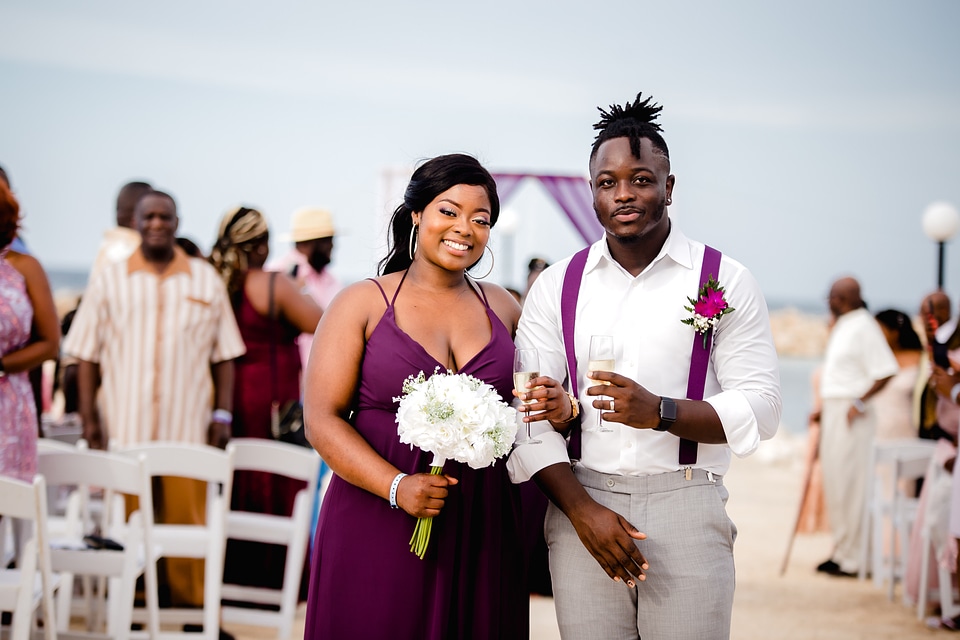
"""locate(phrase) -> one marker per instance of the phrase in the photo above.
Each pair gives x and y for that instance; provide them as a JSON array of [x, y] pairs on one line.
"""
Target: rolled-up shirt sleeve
[[747, 368], [539, 329]]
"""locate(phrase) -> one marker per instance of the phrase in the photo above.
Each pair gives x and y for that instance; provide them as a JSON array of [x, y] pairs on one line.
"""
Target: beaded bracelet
[[393, 490], [222, 416]]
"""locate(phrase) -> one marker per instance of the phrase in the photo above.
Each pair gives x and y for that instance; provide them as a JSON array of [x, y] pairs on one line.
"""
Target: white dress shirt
[[653, 347], [857, 355]]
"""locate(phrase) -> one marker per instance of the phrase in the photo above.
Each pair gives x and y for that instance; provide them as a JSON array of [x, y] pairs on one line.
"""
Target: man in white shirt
[[640, 543], [857, 364]]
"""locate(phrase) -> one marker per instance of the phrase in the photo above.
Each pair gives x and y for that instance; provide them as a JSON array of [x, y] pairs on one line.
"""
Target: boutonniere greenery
[[708, 308]]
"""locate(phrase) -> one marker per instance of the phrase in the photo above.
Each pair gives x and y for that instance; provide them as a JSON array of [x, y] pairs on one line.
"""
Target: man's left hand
[[624, 401], [218, 434]]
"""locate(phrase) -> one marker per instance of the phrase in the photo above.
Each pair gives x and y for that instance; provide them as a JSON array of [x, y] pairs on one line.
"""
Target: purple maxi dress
[[365, 583]]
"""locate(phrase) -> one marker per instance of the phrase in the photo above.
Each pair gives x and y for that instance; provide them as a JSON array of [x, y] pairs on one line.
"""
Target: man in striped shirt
[[158, 331]]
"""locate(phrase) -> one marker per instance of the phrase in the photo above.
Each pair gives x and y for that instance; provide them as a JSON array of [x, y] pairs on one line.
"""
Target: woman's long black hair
[[431, 179]]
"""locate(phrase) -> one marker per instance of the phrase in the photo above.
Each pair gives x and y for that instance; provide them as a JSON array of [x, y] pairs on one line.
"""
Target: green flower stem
[[421, 532]]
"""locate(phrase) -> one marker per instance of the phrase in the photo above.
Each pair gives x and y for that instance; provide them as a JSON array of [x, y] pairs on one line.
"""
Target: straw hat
[[310, 223]]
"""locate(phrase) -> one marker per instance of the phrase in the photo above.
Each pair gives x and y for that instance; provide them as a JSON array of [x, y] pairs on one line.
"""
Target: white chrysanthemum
[[455, 417]]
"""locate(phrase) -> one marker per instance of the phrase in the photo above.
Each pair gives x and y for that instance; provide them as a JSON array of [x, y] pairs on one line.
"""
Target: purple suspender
[[699, 357], [568, 317]]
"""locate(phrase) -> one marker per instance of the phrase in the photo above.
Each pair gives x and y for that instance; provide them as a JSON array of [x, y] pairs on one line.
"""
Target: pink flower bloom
[[711, 304]]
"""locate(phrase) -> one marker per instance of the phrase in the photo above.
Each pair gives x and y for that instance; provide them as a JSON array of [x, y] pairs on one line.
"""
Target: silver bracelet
[[222, 416], [858, 403], [955, 392], [393, 490]]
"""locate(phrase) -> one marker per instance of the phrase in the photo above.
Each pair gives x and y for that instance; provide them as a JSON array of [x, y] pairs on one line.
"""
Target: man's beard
[[318, 261], [633, 238]]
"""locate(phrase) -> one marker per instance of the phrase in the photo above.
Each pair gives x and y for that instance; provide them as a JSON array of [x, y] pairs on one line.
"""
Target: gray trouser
[[689, 588]]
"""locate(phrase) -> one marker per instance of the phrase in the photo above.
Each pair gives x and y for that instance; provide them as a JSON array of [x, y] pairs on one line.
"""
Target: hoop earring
[[492, 262], [412, 247]]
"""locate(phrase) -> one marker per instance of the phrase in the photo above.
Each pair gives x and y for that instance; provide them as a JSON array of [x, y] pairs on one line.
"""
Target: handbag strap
[[273, 340], [699, 358]]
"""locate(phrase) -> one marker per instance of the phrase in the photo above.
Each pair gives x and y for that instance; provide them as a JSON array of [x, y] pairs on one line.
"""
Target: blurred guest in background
[[122, 240], [190, 247], [858, 363], [29, 335], [895, 402], [271, 312], [308, 261], [175, 384], [534, 268]]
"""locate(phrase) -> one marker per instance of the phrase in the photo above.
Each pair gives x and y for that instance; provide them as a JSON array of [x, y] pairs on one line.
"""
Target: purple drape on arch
[[572, 195]]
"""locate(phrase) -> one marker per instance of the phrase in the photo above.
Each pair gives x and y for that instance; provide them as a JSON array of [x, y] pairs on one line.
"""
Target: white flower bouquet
[[454, 416]]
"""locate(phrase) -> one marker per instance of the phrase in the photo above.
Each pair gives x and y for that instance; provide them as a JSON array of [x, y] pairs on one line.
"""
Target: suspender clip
[[688, 473], [710, 477]]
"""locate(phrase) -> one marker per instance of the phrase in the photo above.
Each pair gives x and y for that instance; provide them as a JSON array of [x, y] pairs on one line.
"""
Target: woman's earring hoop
[[492, 261], [412, 247]]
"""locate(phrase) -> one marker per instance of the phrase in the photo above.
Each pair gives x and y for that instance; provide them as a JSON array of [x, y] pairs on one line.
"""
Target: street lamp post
[[940, 223]]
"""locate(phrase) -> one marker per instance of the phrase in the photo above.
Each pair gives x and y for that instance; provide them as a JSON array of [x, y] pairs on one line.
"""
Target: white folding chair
[[935, 537], [24, 590], [256, 454], [117, 570], [207, 541], [908, 468], [888, 458]]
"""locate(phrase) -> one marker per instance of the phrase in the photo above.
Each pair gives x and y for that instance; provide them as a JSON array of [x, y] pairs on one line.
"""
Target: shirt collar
[[676, 247], [179, 265]]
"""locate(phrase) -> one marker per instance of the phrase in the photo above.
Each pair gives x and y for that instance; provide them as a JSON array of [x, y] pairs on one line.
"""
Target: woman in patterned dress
[[26, 309]]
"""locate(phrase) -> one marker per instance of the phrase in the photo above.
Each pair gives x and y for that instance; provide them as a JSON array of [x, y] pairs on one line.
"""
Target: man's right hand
[[607, 535], [93, 433], [610, 539]]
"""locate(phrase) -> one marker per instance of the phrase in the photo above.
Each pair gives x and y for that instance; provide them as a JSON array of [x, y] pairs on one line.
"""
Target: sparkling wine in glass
[[526, 367], [601, 359]]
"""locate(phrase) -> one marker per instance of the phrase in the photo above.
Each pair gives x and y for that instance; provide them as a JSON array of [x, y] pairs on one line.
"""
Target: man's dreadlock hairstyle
[[634, 120]]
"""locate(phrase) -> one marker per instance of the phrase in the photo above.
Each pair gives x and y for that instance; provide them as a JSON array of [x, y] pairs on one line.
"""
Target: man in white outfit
[[858, 363]]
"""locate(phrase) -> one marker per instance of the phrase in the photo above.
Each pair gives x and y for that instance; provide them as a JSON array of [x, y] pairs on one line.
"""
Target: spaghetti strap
[[483, 294], [382, 292], [397, 292]]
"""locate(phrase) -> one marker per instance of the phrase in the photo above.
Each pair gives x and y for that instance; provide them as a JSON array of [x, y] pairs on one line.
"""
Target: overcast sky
[[806, 138]]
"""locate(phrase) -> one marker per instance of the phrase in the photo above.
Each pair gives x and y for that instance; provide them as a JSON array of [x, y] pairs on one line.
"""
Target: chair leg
[[924, 576]]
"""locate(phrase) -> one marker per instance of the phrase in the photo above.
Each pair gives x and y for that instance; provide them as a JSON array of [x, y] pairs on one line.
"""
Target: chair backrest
[[196, 461], [27, 501], [281, 458], [90, 468]]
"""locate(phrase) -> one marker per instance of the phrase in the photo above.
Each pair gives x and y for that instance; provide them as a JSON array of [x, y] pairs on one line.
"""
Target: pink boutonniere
[[708, 308]]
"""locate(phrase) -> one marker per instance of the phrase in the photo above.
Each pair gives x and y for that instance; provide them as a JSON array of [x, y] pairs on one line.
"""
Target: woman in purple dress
[[26, 309], [423, 312]]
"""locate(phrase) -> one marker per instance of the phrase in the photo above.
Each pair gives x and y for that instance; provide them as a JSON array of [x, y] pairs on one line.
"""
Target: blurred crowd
[[888, 380]]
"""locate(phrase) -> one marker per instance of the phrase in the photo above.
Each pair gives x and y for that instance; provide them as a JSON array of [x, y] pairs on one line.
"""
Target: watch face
[[668, 410]]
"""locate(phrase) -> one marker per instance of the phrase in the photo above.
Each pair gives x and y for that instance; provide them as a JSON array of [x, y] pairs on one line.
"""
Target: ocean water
[[794, 372], [796, 392]]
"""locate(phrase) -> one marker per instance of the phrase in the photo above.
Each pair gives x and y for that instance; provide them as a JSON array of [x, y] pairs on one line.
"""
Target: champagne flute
[[601, 359], [526, 367]]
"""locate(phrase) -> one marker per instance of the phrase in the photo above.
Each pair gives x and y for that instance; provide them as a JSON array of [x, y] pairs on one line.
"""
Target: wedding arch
[[571, 193]]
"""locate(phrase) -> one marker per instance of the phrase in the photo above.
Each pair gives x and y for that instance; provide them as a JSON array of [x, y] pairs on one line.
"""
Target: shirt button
[[629, 445], [610, 482]]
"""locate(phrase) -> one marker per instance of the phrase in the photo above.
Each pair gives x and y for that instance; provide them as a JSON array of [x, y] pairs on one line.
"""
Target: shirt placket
[[158, 359]]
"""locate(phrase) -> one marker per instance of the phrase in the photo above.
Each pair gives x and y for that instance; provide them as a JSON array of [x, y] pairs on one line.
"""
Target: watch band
[[668, 414]]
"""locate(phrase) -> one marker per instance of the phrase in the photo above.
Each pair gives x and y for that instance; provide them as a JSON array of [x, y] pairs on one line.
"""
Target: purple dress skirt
[[365, 583]]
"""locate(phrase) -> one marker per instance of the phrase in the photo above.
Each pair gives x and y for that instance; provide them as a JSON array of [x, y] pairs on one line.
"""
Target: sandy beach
[[802, 604]]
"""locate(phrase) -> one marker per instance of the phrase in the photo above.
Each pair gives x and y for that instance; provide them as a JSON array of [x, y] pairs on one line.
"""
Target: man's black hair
[[634, 120]]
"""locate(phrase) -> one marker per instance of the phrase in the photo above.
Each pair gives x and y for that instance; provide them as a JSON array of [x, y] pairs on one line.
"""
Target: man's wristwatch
[[668, 414]]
